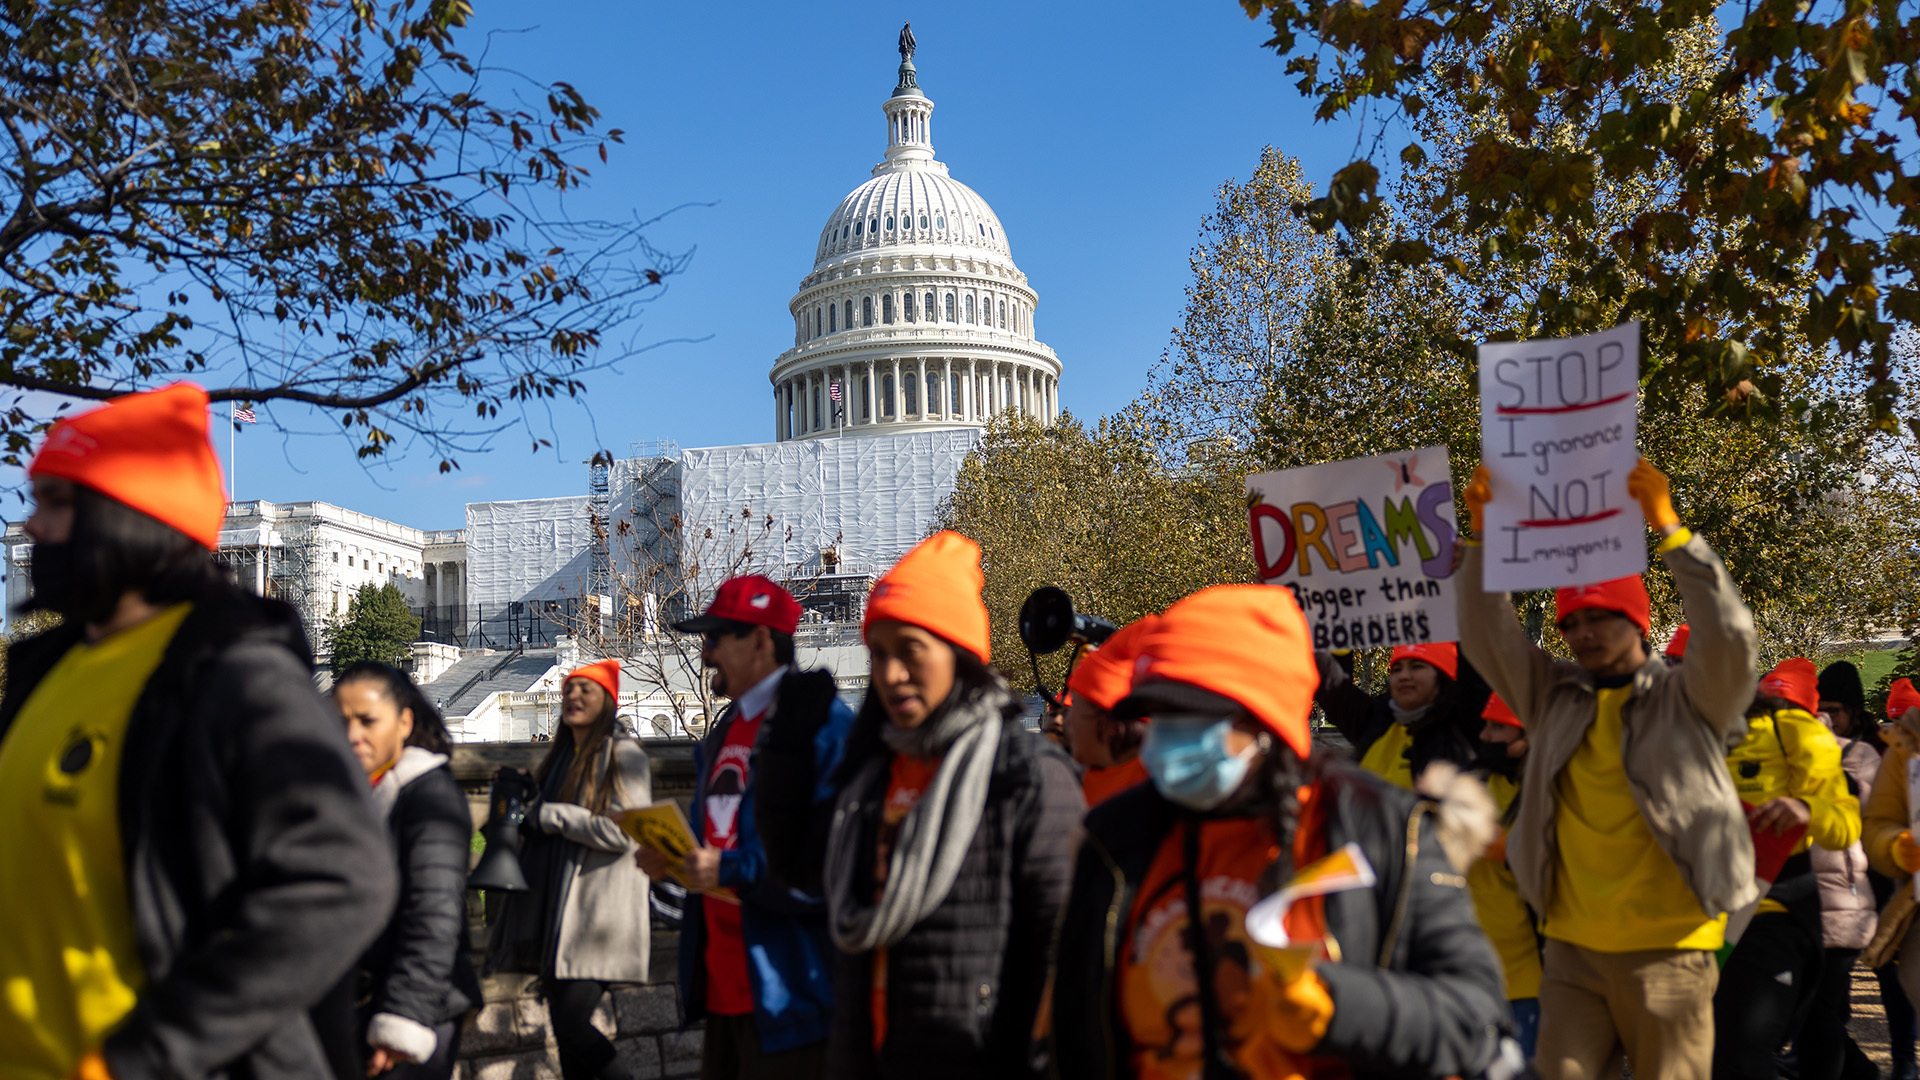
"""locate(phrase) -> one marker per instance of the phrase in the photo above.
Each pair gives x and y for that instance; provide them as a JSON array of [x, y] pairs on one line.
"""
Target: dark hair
[[581, 785], [971, 675], [1285, 774], [116, 549], [782, 643], [429, 727]]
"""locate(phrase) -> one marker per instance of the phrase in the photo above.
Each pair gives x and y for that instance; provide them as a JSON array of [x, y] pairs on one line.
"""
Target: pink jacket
[[1847, 914]]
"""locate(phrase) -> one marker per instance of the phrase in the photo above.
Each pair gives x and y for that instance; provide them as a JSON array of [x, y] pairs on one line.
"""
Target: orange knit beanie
[[1245, 642], [606, 673], [936, 587], [148, 451], [1104, 675]]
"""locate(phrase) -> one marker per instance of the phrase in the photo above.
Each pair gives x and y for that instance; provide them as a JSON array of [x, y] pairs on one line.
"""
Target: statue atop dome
[[906, 42]]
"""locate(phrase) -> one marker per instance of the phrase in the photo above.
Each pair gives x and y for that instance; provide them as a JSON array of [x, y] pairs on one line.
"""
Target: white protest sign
[[1366, 546], [1558, 435]]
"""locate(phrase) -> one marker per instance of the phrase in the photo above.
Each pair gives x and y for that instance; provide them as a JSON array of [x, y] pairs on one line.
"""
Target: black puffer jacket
[[965, 984], [420, 968], [1450, 731], [257, 870], [1419, 993]]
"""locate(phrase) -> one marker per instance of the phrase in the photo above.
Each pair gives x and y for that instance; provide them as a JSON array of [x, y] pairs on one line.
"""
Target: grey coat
[[1675, 729], [602, 895]]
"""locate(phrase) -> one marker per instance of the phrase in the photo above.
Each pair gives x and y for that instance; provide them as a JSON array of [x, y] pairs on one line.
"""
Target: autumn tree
[[320, 202], [1095, 511], [1809, 202], [378, 626], [1297, 347]]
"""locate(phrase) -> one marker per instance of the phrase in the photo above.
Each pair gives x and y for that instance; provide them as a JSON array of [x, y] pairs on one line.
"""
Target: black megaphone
[[1048, 622], [499, 869]]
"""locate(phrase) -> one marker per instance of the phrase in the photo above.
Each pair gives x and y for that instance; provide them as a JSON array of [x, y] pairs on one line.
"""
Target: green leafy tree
[[377, 627], [1299, 347], [306, 201], [1789, 204], [1095, 511]]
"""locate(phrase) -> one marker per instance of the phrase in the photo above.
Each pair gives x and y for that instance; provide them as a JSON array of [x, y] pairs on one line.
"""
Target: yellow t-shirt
[[1388, 757], [1503, 915], [1614, 890], [77, 973]]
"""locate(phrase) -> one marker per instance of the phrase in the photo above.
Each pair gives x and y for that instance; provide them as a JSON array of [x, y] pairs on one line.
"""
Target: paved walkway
[[1869, 1027]]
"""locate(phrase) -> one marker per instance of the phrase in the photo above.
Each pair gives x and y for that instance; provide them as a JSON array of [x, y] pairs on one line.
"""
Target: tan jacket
[[1676, 728], [605, 921], [1885, 817]]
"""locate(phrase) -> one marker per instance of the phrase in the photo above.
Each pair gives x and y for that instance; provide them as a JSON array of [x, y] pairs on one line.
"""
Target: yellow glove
[[1479, 493], [1906, 853], [1649, 486], [91, 1066], [1302, 1011]]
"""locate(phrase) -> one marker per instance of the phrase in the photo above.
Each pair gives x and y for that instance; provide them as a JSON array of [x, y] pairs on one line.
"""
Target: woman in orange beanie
[[948, 858], [1402, 980], [583, 923], [1430, 711], [191, 860]]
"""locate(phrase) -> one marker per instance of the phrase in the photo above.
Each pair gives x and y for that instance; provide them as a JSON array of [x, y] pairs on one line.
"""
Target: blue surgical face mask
[[1187, 758]]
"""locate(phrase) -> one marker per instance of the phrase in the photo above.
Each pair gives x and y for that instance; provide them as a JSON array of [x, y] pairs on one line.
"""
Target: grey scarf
[[936, 833], [1411, 719]]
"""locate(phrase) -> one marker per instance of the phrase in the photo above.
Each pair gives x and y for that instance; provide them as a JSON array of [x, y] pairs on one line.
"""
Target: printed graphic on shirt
[[1159, 993], [727, 784]]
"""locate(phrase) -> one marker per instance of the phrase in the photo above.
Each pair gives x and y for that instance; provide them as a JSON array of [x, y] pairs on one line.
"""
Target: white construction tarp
[[527, 549], [870, 498]]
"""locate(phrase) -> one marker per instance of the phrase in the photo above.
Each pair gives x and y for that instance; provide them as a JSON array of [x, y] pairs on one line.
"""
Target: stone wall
[[508, 1038]]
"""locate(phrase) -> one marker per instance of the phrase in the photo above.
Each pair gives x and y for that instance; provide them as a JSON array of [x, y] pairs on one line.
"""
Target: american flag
[[833, 391], [245, 416]]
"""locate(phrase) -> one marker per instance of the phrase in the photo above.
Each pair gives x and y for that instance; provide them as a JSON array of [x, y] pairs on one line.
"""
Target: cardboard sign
[[1366, 546], [1558, 434]]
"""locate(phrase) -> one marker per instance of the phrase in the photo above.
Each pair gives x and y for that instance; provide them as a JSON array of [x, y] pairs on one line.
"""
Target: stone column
[[896, 399]]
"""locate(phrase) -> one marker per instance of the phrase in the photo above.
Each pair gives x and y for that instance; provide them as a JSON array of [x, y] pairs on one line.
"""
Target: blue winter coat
[[789, 955]]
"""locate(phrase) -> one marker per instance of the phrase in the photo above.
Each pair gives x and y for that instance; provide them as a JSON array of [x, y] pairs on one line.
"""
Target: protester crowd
[[1663, 862]]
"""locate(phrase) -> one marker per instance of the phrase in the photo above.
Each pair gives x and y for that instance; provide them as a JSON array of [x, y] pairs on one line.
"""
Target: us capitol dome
[[914, 315]]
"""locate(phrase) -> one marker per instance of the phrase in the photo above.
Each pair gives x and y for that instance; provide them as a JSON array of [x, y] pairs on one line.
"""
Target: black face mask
[[1492, 758], [51, 573]]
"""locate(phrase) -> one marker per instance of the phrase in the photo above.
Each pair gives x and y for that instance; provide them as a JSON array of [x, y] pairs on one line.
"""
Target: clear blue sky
[[1098, 133]]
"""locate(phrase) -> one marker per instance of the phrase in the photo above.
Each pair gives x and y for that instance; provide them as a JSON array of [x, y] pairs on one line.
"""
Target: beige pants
[[1653, 1007]]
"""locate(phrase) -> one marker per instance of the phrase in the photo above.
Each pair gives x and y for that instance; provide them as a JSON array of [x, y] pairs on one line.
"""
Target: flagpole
[[233, 465]]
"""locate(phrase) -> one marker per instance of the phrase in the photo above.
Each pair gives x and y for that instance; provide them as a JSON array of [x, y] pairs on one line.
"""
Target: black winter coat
[[1418, 994], [1450, 731], [257, 870], [964, 986], [421, 968]]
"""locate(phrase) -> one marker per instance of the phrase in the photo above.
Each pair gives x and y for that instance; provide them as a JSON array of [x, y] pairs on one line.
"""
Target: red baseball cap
[[753, 600]]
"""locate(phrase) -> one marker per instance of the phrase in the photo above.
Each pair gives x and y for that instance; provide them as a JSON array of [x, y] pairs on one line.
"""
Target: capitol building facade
[[914, 315]]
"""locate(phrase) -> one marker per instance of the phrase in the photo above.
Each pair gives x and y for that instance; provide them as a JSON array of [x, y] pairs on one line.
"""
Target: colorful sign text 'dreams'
[[1366, 546], [1557, 433]]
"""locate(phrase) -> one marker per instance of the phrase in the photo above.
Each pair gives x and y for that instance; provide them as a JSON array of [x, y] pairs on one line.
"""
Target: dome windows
[[906, 307], [886, 309], [923, 221], [950, 317], [866, 311], [1003, 314], [940, 221], [873, 225], [849, 314], [856, 227], [970, 317], [832, 326], [889, 222], [930, 308]]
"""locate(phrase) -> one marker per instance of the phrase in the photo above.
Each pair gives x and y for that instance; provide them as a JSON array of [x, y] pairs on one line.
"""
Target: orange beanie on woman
[[936, 587]]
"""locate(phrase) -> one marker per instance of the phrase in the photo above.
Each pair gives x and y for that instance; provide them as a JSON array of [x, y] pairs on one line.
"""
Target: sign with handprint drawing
[[1558, 436], [1366, 545]]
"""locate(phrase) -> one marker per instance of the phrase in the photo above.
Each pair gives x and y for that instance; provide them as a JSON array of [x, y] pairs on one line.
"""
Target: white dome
[[914, 314], [911, 207]]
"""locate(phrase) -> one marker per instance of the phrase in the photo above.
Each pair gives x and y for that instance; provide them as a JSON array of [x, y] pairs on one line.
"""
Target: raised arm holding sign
[[1558, 433]]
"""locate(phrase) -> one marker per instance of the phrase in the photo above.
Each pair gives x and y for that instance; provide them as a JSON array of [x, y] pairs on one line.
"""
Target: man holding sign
[[1632, 842]]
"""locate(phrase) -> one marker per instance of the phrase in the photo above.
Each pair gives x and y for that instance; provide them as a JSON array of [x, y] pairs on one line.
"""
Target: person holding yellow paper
[[1157, 976]]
